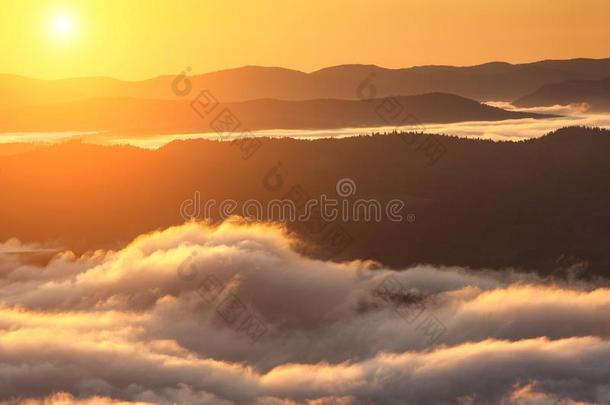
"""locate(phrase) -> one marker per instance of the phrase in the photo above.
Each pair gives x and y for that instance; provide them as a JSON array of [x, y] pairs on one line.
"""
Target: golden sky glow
[[62, 25], [138, 39]]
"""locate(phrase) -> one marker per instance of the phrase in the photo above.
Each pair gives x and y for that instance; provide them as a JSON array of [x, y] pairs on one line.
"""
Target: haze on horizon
[[134, 40]]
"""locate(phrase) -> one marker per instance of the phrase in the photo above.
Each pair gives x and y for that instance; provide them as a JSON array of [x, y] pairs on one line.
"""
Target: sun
[[62, 26]]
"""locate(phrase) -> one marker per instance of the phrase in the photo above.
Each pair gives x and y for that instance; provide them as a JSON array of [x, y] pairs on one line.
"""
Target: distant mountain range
[[165, 116], [595, 93], [540, 203], [496, 81]]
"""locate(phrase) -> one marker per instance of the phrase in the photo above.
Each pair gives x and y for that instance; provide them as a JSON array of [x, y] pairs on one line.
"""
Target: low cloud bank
[[232, 314]]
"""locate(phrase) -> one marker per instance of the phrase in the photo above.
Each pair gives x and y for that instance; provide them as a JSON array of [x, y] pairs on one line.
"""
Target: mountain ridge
[[484, 203], [595, 93], [166, 116], [491, 81]]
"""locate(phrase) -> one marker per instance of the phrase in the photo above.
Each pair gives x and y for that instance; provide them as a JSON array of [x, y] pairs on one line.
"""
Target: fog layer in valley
[[151, 323]]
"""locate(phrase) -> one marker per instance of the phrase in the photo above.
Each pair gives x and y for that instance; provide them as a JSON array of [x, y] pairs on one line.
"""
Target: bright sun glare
[[62, 26]]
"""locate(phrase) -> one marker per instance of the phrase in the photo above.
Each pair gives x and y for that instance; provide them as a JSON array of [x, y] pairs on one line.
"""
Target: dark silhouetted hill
[[539, 204], [595, 93], [163, 116]]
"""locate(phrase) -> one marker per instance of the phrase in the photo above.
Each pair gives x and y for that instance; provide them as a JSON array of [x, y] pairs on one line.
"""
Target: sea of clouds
[[146, 324]]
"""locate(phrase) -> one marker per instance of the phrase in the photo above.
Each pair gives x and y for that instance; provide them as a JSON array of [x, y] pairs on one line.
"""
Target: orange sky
[[138, 39]]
